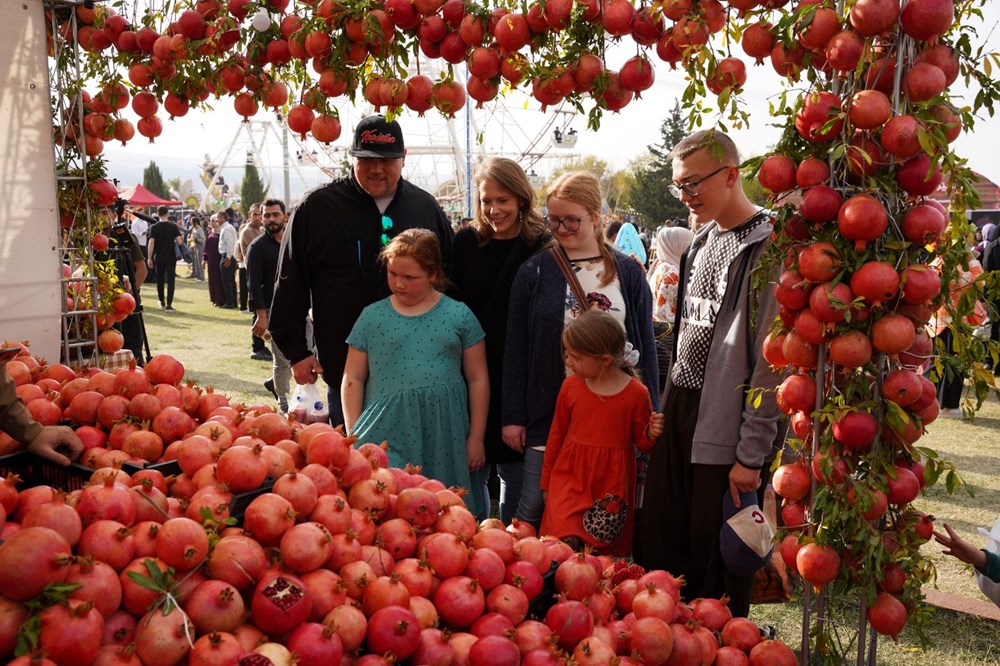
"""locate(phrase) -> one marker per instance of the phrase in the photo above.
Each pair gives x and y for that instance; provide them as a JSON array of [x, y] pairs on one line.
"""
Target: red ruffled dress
[[589, 468]]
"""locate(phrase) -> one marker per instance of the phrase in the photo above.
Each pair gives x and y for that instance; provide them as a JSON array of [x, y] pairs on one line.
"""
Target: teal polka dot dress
[[416, 397]]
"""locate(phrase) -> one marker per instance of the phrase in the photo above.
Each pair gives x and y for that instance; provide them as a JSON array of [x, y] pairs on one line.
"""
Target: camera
[[120, 225]]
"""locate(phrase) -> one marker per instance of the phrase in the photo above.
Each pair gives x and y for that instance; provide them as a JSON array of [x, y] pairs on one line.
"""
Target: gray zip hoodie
[[735, 365]]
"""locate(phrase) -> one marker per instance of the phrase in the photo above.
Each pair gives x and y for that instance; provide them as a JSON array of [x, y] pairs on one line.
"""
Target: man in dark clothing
[[130, 266], [262, 267], [163, 245], [329, 254], [716, 441]]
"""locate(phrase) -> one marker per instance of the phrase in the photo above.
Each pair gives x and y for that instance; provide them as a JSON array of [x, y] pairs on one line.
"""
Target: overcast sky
[[508, 126]]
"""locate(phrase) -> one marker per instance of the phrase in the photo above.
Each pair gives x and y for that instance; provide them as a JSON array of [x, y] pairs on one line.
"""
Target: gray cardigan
[[729, 429], [533, 369]]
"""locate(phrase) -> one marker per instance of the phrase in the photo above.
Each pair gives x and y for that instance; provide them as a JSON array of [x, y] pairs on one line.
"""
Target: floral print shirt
[[608, 298]]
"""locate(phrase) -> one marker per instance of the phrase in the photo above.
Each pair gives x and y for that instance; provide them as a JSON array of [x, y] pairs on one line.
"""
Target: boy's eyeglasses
[[386, 228], [691, 189], [570, 223]]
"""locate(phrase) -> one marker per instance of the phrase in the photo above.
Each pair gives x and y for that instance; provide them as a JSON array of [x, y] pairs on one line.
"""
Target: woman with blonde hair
[[579, 273], [506, 230]]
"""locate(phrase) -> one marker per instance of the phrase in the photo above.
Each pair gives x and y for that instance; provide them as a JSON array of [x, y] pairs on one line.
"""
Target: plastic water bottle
[[318, 413]]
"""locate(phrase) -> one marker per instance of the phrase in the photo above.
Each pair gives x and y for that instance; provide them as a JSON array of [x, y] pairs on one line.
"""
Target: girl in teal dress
[[416, 370]]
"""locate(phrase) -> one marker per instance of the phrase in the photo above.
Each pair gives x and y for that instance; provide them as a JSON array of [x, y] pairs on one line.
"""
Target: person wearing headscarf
[[982, 238], [990, 261], [664, 276]]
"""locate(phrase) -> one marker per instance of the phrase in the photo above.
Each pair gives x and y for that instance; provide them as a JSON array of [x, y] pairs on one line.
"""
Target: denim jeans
[[511, 475], [531, 505]]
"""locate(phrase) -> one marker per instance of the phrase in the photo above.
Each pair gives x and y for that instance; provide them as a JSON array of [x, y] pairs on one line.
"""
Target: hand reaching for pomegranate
[[55, 441], [960, 549]]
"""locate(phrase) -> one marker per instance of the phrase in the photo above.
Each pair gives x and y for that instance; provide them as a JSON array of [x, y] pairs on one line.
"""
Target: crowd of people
[[607, 392], [527, 345]]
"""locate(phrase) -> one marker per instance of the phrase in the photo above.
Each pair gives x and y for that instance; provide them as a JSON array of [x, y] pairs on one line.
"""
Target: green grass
[[214, 346]]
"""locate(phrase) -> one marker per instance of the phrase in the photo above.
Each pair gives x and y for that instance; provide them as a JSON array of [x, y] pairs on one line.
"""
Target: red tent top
[[140, 196]]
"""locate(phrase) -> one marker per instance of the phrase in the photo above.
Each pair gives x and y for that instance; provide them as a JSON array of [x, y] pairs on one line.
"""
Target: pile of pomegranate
[[344, 560]]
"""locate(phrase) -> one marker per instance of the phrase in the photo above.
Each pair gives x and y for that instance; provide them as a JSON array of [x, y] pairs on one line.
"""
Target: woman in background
[[197, 242], [664, 276], [212, 258]]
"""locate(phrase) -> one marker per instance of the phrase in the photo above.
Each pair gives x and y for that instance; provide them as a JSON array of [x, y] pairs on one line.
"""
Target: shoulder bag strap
[[574, 284]]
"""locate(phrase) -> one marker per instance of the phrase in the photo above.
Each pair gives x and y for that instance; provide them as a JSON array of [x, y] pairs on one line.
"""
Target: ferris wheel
[[442, 153]]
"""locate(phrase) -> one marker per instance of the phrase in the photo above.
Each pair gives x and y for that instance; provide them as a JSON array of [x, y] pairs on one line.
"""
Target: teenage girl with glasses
[[542, 303], [416, 370]]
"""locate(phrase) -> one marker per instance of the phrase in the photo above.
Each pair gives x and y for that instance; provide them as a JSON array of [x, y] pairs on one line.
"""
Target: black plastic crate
[[166, 468], [35, 471], [238, 505], [546, 599]]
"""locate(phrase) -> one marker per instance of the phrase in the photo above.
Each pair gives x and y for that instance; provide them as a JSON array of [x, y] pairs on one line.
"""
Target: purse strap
[[574, 284]]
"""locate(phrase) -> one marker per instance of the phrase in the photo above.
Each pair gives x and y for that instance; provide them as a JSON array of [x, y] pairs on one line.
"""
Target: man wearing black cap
[[329, 253]]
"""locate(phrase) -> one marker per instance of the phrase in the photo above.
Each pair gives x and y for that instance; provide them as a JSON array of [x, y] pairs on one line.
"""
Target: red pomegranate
[[861, 219], [71, 633], [852, 349], [570, 621], [819, 262], [874, 17], [921, 284], [903, 486], [772, 653], [460, 601], [855, 430], [791, 481], [818, 109], [887, 615], [843, 51], [820, 204], [811, 171], [913, 176], [757, 41], [777, 173], [876, 282], [902, 387], [924, 81], [924, 19], [49, 552], [280, 603], [819, 564], [893, 333]]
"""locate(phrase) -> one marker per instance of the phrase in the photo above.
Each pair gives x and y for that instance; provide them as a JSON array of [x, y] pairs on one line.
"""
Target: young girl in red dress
[[603, 412]]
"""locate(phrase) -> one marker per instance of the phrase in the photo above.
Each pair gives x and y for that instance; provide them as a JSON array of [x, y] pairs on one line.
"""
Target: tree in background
[[613, 183], [652, 173], [152, 180], [252, 189]]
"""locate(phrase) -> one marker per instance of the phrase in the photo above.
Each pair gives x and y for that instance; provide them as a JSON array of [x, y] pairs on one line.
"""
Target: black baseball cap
[[746, 537], [378, 138]]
